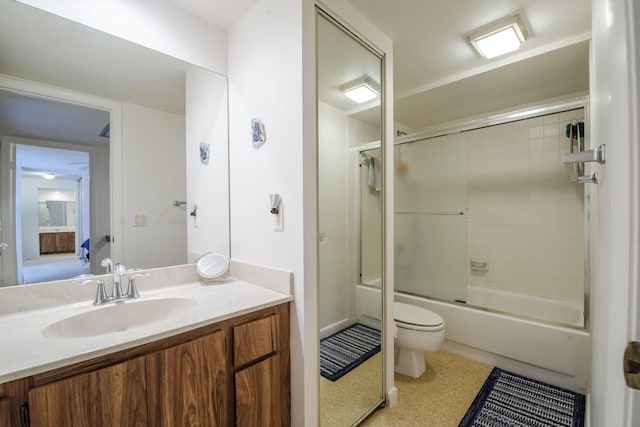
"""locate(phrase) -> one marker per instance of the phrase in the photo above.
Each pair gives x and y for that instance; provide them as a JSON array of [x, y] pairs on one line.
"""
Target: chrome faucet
[[132, 290], [101, 294], [118, 270]]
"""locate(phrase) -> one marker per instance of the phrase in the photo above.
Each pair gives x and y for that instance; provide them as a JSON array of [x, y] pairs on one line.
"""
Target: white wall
[[342, 188], [333, 215], [265, 81], [101, 198], [613, 118], [154, 175], [207, 185], [159, 25]]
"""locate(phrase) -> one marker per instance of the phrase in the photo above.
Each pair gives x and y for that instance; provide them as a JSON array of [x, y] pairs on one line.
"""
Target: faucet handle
[[107, 263], [119, 269], [101, 294], [132, 290]]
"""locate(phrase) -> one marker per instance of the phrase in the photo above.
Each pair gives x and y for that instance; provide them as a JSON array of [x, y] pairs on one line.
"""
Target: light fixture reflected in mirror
[[361, 90], [500, 37], [48, 175]]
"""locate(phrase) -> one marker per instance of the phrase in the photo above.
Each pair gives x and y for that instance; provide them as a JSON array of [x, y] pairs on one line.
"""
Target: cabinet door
[[5, 414], [47, 243], [258, 394], [112, 396], [62, 243], [189, 384], [71, 242]]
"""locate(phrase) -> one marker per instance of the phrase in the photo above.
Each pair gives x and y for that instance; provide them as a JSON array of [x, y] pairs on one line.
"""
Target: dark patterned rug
[[344, 350], [507, 400]]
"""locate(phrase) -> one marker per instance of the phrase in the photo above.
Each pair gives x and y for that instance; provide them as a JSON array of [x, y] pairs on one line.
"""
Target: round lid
[[414, 315]]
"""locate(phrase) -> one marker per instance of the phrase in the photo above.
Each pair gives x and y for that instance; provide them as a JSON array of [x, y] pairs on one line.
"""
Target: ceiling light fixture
[[48, 175], [499, 37], [361, 90]]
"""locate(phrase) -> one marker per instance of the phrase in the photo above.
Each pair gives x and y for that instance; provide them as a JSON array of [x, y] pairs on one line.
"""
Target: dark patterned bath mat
[[507, 400], [345, 350]]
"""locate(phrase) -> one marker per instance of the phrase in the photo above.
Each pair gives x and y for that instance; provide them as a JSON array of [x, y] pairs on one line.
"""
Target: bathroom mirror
[[133, 202], [56, 212], [350, 191]]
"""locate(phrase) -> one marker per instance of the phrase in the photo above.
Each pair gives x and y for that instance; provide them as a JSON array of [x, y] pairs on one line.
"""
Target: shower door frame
[[513, 116]]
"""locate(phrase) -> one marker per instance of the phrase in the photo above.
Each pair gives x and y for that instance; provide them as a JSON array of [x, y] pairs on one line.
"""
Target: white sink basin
[[118, 317]]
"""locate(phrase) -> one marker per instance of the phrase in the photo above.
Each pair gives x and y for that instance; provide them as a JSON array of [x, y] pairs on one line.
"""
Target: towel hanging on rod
[[373, 180]]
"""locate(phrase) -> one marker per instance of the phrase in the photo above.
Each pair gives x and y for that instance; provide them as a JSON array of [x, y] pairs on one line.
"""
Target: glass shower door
[[430, 218]]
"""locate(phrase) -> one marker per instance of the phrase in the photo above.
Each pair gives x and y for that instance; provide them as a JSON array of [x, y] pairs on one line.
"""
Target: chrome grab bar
[[595, 155]]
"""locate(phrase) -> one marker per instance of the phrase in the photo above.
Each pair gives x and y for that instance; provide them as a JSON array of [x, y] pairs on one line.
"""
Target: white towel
[[374, 174]]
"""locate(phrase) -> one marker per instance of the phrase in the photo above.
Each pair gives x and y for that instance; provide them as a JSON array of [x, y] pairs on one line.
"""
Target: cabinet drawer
[[254, 340]]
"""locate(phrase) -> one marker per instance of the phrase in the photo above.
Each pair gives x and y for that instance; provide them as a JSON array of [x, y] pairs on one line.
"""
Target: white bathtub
[[526, 305], [553, 354], [550, 353]]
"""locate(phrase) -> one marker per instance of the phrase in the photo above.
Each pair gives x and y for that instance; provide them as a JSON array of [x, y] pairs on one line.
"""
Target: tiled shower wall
[[524, 214]]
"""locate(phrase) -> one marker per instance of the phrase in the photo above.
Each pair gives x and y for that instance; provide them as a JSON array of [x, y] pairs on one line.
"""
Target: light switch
[[140, 220]]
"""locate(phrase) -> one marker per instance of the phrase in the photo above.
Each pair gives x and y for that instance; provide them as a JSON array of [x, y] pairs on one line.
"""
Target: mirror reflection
[[56, 213], [108, 119], [350, 225]]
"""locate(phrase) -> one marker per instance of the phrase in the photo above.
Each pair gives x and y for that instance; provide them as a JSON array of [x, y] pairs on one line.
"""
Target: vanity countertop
[[55, 229], [26, 351]]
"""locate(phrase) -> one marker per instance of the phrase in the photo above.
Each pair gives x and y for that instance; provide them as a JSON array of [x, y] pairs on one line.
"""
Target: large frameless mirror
[[122, 190], [350, 191]]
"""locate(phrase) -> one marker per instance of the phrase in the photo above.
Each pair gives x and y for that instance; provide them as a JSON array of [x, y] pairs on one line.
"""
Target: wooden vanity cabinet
[[58, 242], [187, 384], [5, 408], [235, 372], [116, 393], [258, 366]]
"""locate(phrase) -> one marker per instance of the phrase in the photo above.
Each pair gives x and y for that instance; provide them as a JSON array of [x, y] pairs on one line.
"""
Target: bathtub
[[554, 354], [525, 305]]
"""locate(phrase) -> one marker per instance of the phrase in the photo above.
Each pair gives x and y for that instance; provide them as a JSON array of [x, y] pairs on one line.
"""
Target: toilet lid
[[414, 315]]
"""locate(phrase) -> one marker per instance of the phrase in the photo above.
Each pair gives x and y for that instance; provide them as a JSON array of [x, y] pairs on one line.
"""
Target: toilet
[[418, 331]]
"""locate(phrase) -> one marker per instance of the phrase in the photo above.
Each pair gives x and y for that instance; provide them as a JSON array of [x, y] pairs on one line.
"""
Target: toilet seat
[[416, 318]]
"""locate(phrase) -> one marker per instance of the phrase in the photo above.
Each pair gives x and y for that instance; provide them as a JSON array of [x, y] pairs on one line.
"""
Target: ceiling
[[41, 118], [63, 53], [222, 13], [437, 77]]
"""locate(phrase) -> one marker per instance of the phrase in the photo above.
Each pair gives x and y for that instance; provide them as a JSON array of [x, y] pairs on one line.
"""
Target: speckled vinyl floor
[[342, 402], [439, 398]]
